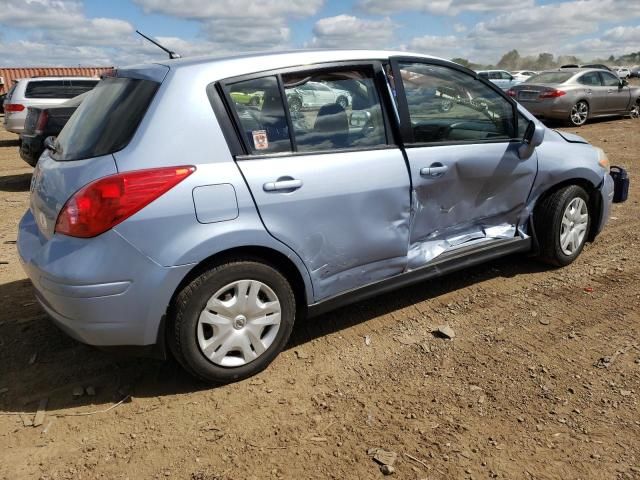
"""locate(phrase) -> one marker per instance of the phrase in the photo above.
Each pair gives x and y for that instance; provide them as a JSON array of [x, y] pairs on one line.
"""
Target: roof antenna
[[172, 55]]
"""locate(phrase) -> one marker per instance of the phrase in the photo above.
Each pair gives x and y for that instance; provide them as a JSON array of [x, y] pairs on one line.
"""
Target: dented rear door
[[469, 184]]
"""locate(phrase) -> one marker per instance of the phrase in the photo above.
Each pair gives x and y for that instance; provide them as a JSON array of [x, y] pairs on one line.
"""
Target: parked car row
[[577, 95], [212, 243], [41, 92]]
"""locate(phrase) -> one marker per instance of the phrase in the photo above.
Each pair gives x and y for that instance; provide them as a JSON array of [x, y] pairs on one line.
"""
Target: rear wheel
[[232, 321], [562, 221], [635, 110], [579, 113], [342, 101]]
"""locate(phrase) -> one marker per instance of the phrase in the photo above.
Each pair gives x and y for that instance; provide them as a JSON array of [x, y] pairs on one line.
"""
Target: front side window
[[446, 105], [260, 110], [334, 110], [609, 79], [506, 76]]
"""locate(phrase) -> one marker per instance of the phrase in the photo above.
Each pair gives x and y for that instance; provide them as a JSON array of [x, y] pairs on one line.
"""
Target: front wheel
[[579, 113], [562, 221], [231, 321]]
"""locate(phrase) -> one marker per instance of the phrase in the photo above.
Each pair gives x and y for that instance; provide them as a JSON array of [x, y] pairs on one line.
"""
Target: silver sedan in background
[[577, 94]]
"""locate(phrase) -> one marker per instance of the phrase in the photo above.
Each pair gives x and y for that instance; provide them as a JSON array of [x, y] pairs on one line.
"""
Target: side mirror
[[533, 137], [50, 143]]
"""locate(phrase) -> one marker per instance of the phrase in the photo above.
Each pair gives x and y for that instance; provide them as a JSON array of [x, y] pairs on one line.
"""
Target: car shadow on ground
[[15, 183], [39, 361]]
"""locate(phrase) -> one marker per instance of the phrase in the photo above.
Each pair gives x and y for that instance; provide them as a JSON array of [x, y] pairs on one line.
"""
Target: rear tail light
[[104, 203], [42, 122], [13, 107], [511, 92], [552, 93]]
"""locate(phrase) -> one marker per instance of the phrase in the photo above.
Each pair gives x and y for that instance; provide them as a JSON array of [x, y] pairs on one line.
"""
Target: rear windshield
[[106, 120], [550, 77], [58, 88]]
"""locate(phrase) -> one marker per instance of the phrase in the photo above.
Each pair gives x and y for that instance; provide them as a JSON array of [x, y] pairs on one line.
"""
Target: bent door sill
[[445, 263]]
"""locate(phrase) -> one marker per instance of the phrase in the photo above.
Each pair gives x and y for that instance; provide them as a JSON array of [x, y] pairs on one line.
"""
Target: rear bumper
[[548, 109], [14, 122], [101, 291], [31, 148]]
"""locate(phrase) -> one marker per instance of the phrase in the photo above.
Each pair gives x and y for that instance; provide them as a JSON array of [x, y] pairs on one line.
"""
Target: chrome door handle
[[281, 185], [435, 170]]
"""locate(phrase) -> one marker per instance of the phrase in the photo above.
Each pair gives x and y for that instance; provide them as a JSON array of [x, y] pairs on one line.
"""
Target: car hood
[[570, 137]]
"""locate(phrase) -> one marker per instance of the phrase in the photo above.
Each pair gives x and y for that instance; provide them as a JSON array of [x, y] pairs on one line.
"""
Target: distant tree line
[[544, 61]]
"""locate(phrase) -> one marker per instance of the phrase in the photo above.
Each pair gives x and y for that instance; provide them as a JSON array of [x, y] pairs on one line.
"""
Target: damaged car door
[[470, 185], [333, 188]]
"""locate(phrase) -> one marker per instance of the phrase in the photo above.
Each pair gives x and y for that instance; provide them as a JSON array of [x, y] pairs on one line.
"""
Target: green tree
[[510, 61], [462, 61]]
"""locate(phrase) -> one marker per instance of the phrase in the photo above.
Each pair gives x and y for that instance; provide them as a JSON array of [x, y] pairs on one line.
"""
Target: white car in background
[[623, 72], [316, 94], [501, 78], [522, 75]]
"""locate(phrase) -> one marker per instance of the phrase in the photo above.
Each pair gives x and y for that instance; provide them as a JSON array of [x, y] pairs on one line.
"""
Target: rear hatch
[[103, 124]]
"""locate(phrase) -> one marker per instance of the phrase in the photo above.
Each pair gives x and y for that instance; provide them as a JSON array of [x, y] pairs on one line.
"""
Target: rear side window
[[57, 88], [260, 110], [106, 120], [322, 111], [334, 110]]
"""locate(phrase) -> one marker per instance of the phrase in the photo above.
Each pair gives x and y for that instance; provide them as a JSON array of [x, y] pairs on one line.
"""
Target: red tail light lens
[[42, 122], [104, 203], [511, 92], [13, 107], [552, 94]]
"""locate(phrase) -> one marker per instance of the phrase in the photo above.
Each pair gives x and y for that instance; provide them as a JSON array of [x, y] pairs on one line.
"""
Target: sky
[[102, 32]]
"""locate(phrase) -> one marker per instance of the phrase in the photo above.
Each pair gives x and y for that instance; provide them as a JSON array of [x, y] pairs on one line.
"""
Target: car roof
[[232, 66]]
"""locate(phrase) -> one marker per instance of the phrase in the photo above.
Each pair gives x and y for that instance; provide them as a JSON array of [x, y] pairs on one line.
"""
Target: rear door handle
[[282, 185], [434, 170]]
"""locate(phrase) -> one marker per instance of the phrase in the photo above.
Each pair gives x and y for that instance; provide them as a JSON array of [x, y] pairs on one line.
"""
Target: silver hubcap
[[574, 226], [239, 323], [579, 113]]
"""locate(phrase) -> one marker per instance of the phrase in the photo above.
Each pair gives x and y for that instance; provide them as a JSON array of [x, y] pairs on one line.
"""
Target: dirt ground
[[541, 381]]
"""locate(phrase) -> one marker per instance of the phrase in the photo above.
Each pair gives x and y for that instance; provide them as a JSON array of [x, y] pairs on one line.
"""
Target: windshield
[[106, 120], [550, 77]]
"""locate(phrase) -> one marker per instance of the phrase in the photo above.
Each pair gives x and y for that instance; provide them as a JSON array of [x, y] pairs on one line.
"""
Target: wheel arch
[[595, 202], [262, 254]]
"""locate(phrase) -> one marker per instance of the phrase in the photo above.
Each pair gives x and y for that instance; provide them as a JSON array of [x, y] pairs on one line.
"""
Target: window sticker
[[260, 140]]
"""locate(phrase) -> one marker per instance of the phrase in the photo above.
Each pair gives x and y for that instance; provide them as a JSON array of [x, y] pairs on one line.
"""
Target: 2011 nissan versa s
[[167, 213]]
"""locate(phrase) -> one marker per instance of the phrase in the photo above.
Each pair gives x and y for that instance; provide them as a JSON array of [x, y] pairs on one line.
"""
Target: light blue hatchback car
[[169, 215]]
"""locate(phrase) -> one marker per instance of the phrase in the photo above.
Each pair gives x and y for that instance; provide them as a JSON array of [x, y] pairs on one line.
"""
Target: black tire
[[295, 104], [191, 301], [578, 120], [548, 216], [342, 101], [635, 110]]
